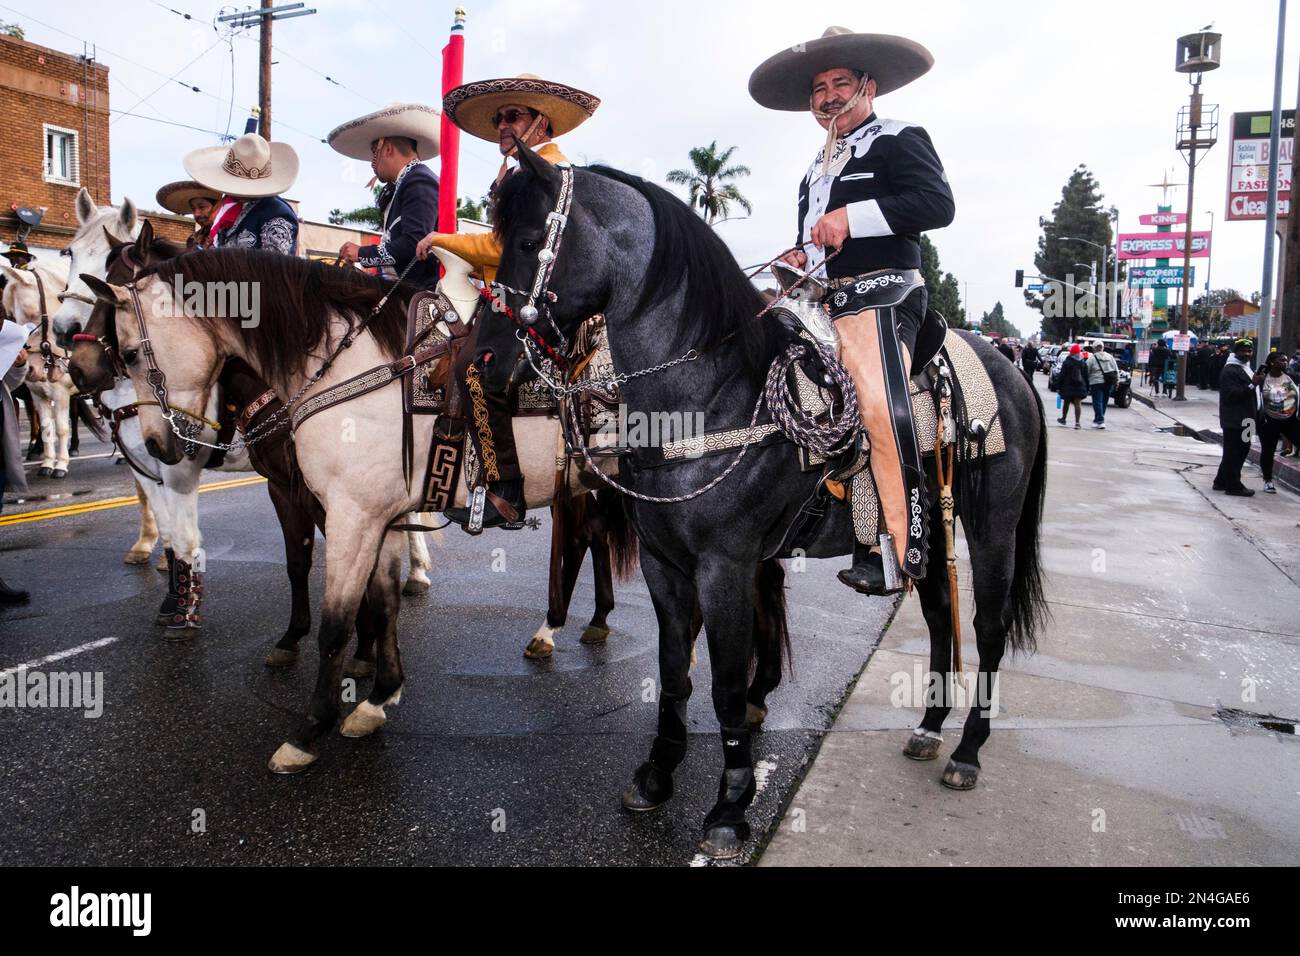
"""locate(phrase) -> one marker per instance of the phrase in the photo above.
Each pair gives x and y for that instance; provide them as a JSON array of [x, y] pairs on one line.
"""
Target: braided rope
[[825, 439]]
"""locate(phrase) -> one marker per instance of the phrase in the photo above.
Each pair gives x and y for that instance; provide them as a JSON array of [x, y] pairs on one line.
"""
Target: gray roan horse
[[667, 284]]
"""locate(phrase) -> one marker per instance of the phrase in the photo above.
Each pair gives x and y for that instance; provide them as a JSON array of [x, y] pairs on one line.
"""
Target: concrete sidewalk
[[1169, 601], [1200, 413]]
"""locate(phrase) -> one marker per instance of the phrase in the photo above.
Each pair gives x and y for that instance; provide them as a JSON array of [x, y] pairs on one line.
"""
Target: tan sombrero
[[250, 168], [411, 120], [784, 81], [472, 106], [175, 197]]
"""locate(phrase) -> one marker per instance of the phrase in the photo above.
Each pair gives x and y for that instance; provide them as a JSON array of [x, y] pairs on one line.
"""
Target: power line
[[153, 119], [173, 77], [303, 63]]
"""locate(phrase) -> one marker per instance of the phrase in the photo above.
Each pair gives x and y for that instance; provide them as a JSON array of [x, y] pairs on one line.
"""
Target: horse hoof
[[651, 789], [414, 585], [137, 556], [289, 759], [922, 746], [754, 716], [723, 842], [363, 721], [162, 565], [180, 635], [358, 668], [594, 635], [281, 657], [59, 473], [45, 472], [960, 776], [542, 645]]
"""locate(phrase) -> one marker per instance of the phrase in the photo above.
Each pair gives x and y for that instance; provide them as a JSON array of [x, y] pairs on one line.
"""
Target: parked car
[[1047, 357]]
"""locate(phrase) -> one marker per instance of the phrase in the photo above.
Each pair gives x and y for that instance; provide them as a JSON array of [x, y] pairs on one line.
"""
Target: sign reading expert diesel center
[[1248, 167], [1161, 245]]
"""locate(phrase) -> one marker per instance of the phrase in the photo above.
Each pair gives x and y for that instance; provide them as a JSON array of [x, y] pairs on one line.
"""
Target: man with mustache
[[876, 185]]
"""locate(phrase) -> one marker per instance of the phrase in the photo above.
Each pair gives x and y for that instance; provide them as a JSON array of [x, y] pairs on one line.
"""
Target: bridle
[[190, 426]]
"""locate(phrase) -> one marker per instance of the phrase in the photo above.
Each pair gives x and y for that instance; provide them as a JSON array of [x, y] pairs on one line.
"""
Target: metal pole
[[1194, 117], [1115, 285], [264, 74], [1210, 259], [1264, 330]]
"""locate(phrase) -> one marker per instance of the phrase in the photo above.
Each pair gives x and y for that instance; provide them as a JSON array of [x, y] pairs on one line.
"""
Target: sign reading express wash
[[1158, 277], [1248, 167], [1161, 245]]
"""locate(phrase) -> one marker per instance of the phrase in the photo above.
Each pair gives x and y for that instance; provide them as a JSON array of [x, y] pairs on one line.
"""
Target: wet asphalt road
[[489, 758]]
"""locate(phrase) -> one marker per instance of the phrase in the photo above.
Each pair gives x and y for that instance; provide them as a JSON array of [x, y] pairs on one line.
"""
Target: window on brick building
[[61, 156]]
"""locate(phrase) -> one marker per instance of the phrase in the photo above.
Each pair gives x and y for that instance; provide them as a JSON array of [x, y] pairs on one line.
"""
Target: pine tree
[[995, 323], [945, 293], [1079, 215]]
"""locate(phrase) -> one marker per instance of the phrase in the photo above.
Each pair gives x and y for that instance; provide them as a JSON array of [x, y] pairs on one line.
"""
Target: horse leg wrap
[[737, 787], [669, 748], [167, 611], [189, 587]]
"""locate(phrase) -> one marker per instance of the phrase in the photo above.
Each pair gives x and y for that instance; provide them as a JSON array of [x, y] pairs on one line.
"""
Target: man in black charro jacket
[[876, 185], [250, 175], [1238, 408], [396, 140]]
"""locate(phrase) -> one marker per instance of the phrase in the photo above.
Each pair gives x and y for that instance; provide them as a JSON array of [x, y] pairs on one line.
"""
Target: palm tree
[[707, 183]]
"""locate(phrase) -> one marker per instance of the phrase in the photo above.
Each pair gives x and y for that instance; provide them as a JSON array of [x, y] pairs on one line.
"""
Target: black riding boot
[[10, 595], [507, 493], [867, 576]]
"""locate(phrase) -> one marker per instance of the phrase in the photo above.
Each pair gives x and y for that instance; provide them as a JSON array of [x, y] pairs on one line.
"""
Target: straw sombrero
[[472, 106], [175, 197], [411, 120], [250, 168], [784, 81]]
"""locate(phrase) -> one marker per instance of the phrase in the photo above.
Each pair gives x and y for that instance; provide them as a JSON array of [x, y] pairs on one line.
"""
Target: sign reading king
[[1161, 245], [1162, 218], [1249, 161]]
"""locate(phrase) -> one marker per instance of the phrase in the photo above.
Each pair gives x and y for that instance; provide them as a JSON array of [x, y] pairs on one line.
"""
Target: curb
[[1286, 471]]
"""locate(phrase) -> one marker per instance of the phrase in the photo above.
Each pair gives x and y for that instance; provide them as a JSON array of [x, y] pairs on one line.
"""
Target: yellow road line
[[68, 511]]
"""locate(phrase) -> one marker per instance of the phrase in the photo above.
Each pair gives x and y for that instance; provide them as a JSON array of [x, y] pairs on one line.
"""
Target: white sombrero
[[250, 168], [175, 197], [472, 106], [411, 120], [784, 81]]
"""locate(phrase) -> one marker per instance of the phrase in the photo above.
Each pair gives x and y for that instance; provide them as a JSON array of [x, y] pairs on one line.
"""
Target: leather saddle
[[432, 323]]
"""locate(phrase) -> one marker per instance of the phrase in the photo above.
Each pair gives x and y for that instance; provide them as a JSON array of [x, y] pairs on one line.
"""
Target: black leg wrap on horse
[[168, 608], [669, 748]]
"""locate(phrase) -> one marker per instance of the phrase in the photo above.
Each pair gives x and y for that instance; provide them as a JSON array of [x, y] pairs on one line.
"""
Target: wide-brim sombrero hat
[[249, 168], [175, 197], [414, 121], [784, 81], [472, 106]]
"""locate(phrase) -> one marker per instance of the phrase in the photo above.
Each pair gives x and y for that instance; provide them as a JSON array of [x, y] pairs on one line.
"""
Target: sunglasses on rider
[[511, 116]]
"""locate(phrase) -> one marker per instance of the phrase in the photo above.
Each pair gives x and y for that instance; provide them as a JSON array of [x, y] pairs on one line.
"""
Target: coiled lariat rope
[[824, 439]]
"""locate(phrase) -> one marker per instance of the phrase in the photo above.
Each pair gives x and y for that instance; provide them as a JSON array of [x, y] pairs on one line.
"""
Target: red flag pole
[[453, 73]]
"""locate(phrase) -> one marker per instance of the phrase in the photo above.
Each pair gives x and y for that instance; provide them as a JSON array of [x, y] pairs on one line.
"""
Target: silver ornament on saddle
[[805, 303]]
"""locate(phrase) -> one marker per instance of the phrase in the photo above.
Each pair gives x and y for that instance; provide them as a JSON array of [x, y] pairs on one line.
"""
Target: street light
[[1105, 252]]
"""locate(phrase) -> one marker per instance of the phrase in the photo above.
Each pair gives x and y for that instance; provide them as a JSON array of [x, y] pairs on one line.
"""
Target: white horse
[[360, 484], [172, 494], [51, 389]]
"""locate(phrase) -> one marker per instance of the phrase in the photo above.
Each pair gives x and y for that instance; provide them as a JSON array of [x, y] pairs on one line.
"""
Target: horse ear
[[85, 206], [138, 254], [113, 241], [534, 163], [127, 216], [110, 294]]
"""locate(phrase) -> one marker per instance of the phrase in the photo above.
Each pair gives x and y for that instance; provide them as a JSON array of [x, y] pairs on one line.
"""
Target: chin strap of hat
[[832, 133], [526, 139]]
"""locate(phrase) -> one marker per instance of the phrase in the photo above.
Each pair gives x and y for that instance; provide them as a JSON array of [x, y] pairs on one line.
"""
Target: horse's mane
[[296, 302], [719, 303]]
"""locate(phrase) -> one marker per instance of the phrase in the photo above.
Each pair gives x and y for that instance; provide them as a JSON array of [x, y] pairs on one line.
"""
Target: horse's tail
[[621, 533], [1029, 611], [771, 625]]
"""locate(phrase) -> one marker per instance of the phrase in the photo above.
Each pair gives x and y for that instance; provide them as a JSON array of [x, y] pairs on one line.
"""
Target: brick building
[[54, 138]]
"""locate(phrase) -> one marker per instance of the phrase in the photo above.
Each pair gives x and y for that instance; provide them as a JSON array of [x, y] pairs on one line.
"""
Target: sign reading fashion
[[1161, 245], [1248, 155]]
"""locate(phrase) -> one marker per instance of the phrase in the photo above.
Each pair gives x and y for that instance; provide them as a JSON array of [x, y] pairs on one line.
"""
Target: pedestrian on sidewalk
[[1072, 385], [1277, 414], [1103, 376], [1238, 412], [1029, 360], [1156, 362]]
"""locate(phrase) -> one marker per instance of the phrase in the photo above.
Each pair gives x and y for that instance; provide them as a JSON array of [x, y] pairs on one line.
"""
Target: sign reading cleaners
[[1248, 167], [1161, 245]]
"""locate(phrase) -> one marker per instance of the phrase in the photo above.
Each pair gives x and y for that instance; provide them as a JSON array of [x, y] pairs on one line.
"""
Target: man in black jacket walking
[[1238, 408]]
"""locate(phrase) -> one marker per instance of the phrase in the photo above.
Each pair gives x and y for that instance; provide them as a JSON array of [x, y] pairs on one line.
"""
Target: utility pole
[[262, 18], [1291, 274], [1265, 330]]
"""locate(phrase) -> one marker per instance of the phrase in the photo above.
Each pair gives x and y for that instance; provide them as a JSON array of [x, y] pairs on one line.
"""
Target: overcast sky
[[1020, 94]]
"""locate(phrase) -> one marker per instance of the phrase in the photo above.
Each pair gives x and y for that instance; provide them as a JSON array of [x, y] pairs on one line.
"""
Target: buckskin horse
[[684, 337], [320, 329]]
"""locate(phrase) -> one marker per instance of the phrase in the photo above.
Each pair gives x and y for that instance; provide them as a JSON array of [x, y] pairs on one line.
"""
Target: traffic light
[[1020, 278]]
